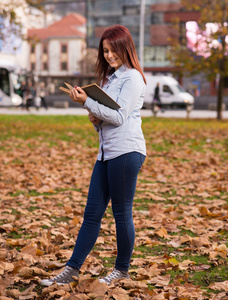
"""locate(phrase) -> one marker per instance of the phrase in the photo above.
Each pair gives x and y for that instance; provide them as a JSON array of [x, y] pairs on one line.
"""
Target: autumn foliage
[[180, 211]]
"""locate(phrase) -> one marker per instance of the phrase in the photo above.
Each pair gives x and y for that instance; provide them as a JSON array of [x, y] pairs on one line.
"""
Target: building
[[13, 47], [160, 16], [158, 26], [56, 50]]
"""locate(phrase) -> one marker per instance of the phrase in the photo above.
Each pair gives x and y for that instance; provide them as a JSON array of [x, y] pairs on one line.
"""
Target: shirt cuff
[[88, 103]]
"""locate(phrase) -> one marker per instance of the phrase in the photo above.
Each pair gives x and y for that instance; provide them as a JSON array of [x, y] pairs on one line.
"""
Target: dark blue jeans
[[114, 179]]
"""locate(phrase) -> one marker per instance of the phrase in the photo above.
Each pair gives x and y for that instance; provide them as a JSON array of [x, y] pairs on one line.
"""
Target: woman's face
[[111, 56]]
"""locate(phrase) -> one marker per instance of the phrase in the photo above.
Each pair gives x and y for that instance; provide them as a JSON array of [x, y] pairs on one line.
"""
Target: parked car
[[172, 94]]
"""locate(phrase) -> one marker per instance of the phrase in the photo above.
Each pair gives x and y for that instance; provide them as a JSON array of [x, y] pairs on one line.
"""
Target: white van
[[172, 94], [9, 85]]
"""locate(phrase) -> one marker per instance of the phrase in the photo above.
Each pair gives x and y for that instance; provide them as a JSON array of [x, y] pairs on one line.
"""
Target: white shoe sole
[[46, 282]]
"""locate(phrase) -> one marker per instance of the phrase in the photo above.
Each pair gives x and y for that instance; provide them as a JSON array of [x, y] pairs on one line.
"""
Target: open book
[[94, 92]]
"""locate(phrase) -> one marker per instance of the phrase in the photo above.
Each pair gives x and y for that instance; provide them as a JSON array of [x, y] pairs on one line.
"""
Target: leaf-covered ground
[[180, 210]]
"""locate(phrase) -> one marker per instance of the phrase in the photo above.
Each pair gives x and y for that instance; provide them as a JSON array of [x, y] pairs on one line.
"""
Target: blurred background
[[52, 41]]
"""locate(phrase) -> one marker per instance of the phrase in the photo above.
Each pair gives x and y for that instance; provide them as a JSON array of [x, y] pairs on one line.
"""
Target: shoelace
[[64, 273], [114, 275]]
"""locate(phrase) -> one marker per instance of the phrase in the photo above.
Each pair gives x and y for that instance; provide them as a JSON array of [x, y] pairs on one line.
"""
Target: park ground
[[180, 210]]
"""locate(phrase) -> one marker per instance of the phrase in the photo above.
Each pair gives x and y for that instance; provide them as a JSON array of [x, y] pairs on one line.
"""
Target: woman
[[122, 152]]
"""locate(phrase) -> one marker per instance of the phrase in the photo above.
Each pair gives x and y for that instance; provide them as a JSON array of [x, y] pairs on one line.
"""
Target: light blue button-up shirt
[[120, 130]]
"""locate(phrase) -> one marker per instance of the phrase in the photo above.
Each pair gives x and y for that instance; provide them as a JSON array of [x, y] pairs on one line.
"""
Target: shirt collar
[[118, 72]]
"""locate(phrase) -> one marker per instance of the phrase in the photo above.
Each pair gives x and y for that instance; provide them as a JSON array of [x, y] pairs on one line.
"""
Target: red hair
[[122, 43]]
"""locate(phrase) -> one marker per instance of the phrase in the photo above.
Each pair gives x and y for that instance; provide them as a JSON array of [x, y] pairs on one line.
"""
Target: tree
[[10, 19], [9, 22], [209, 53], [88, 62]]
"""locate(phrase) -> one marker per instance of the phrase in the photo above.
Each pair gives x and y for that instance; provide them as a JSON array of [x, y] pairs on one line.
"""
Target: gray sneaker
[[116, 274], [64, 277]]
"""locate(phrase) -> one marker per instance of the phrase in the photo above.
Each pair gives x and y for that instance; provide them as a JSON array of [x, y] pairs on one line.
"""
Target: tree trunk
[[220, 97]]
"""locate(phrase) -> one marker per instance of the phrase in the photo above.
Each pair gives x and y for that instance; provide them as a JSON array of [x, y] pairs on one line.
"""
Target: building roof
[[68, 26]]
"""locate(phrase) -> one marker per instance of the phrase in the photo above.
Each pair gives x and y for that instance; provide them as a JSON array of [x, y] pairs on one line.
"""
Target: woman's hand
[[95, 121], [78, 95]]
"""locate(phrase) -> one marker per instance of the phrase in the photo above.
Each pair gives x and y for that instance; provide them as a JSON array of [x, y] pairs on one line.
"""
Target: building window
[[64, 57], [45, 49], [32, 57], [154, 19], [131, 10], [45, 57], [63, 66], [32, 49], [63, 48], [45, 66], [32, 66]]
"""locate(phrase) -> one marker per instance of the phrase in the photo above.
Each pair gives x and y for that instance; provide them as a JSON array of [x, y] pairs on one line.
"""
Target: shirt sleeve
[[96, 127], [129, 99]]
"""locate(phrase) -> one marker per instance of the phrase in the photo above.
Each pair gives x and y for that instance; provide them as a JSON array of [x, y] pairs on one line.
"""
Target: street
[[195, 114]]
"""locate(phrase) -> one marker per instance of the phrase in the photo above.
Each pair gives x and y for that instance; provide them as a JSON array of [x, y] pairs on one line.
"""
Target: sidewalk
[[195, 114]]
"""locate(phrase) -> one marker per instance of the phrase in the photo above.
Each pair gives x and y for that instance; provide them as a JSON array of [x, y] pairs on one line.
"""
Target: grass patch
[[154, 250], [205, 278], [48, 129], [33, 208]]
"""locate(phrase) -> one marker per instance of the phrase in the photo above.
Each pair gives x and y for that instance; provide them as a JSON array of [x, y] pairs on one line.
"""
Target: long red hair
[[122, 43]]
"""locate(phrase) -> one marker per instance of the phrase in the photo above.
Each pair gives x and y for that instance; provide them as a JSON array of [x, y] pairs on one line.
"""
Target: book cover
[[94, 92]]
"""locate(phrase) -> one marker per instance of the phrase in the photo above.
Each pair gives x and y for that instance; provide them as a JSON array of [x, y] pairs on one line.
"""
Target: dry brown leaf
[[162, 232], [5, 282], [76, 220], [146, 273], [97, 289], [49, 289], [200, 268], [218, 250], [186, 264], [78, 296], [106, 253], [15, 294], [3, 254], [17, 242], [29, 272], [84, 285], [161, 280], [6, 267], [204, 211], [118, 294], [27, 258], [130, 284], [138, 261], [6, 227]]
